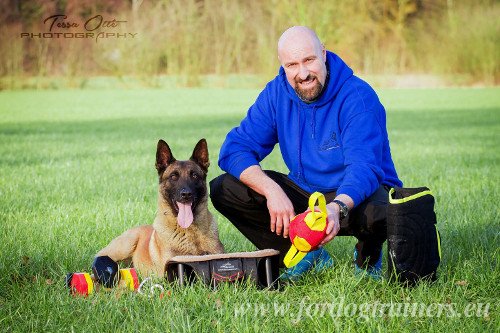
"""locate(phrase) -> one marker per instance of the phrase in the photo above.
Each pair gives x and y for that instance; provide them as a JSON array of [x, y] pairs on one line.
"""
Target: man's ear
[[163, 156], [200, 155]]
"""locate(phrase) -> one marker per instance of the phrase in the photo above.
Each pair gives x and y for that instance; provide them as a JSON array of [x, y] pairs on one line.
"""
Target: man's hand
[[280, 207], [333, 227], [280, 210]]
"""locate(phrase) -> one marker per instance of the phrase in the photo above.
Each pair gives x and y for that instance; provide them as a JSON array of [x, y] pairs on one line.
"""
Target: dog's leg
[[105, 266], [217, 244], [211, 243], [123, 246], [219, 248], [212, 246]]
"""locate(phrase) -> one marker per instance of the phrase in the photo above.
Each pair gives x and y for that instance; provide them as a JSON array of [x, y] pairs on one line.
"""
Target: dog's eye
[[194, 175], [174, 176]]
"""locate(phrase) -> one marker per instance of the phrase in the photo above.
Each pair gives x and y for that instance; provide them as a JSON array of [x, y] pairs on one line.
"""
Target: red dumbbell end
[[80, 284]]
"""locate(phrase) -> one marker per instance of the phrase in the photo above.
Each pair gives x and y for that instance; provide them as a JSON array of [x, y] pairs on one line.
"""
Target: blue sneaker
[[375, 271], [320, 259]]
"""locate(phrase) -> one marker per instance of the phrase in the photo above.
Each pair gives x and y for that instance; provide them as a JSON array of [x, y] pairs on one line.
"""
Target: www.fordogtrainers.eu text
[[363, 311]]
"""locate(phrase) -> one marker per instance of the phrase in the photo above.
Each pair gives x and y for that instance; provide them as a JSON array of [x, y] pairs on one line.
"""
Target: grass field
[[77, 168]]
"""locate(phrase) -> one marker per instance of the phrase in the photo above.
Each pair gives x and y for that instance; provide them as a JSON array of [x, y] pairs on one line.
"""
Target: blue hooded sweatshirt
[[336, 143]]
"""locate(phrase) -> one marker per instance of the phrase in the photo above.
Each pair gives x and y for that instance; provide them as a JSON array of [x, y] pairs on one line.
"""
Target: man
[[331, 129]]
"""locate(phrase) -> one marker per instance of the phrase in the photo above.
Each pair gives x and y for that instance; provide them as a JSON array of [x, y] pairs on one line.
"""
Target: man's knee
[[369, 219], [226, 190], [217, 188]]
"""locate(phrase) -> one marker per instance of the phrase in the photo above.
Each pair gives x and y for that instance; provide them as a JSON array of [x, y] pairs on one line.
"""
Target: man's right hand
[[279, 205], [280, 209]]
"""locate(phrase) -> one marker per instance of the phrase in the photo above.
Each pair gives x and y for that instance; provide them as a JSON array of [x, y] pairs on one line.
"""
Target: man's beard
[[310, 94]]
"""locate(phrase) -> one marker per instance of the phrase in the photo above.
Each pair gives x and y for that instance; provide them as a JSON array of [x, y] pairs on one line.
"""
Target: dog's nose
[[186, 194]]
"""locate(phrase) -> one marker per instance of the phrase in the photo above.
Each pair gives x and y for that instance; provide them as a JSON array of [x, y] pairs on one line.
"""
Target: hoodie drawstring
[[313, 122], [299, 175]]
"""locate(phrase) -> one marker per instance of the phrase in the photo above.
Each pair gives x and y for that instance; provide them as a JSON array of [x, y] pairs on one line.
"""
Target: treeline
[[192, 38]]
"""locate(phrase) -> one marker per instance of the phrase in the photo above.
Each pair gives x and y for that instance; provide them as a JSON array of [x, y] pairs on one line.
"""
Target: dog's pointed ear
[[200, 155], [163, 156]]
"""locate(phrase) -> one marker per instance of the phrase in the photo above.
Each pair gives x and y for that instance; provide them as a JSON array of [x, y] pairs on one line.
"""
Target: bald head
[[298, 36], [303, 58]]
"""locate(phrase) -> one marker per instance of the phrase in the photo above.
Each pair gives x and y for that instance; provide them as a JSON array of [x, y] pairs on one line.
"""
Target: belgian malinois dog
[[183, 224]]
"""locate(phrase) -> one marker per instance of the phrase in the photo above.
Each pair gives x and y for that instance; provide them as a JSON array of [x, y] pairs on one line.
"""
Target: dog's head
[[183, 183]]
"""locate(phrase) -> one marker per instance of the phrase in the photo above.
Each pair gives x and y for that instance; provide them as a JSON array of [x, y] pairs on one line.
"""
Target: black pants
[[247, 211]]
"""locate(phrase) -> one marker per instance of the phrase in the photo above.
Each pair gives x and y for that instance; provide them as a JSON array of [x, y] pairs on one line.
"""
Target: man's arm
[[245, 146], [279, 205], [250, 142], [362, 141]]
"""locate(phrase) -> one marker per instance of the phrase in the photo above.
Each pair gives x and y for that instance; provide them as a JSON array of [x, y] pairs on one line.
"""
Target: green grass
[[77, 168]]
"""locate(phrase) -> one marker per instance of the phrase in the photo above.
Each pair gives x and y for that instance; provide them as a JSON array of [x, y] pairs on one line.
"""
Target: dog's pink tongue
[[185, 216]]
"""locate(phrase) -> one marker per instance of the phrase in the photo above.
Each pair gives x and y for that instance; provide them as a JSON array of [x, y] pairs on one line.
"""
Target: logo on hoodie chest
[[330, 143]]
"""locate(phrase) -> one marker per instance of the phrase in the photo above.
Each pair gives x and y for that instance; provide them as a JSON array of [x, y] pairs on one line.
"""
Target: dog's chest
[[187, 242]]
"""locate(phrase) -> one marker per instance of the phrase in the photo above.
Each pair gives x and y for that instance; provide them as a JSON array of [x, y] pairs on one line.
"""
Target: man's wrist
[[343, 208]]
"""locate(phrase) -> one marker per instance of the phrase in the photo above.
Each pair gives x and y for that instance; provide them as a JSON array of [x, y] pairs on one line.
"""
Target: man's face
[[305, 69]]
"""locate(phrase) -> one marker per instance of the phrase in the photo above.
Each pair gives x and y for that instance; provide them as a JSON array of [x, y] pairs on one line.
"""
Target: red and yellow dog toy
[[84, 284], [307, 230]]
